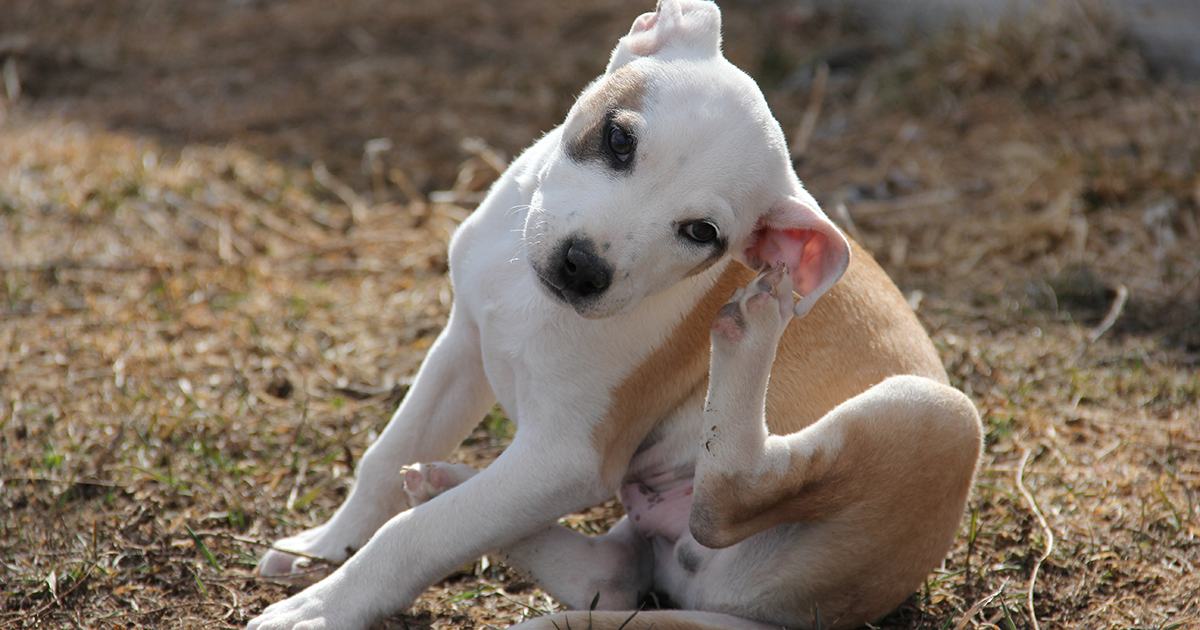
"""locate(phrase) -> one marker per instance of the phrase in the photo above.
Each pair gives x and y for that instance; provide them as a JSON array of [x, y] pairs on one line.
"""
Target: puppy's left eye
[[699, 231], [620, 143]]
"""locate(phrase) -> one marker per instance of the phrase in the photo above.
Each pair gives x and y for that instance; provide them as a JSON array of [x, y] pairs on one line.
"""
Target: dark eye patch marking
[[609, 104]]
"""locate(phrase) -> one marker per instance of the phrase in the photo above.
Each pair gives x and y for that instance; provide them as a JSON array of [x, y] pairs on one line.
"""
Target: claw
[[771, 279]]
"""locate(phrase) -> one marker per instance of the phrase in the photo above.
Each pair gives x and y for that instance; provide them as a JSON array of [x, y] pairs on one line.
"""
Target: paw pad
[[423, 482], [750, 309]]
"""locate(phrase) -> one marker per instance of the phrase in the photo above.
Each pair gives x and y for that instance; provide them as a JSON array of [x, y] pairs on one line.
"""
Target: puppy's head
[[666, 164]]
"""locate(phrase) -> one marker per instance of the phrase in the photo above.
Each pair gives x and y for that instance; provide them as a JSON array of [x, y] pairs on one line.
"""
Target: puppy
[[773, 473]]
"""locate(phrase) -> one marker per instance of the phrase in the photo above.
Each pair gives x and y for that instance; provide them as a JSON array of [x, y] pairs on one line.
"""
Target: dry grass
[[202, 326]]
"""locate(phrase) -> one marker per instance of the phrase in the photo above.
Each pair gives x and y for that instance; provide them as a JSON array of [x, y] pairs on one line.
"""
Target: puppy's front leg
[[526, 488], [611, 571], [448, 397]]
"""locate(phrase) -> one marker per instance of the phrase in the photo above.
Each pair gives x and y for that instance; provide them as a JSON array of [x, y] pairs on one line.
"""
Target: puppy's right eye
[[620, 143], [699, 231]]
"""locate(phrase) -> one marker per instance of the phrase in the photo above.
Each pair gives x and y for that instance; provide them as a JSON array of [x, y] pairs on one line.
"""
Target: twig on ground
[[358, 207], [158, 611], [808, 122], [79, 264], [540, 613], [974, 610], [1045, 529], [12, 79], [490, 156], [70, 482], [58, 597], [406, 186], [288, 580], [841, 215], [1114, 312], [259, 543]]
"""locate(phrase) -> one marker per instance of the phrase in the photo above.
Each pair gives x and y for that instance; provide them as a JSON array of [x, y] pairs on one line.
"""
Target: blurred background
[[222, 251]]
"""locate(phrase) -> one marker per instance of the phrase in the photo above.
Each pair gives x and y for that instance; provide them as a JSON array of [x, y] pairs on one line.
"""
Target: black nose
[[583, 272]]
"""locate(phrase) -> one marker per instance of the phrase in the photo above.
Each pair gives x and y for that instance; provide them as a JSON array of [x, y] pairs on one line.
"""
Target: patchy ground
[[215, 286]]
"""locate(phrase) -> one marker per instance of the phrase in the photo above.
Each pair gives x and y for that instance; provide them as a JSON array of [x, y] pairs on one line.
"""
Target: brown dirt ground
[[214, 289]]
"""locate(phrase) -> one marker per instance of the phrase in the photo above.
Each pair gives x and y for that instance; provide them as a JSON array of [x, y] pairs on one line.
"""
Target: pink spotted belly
[[658, 509]]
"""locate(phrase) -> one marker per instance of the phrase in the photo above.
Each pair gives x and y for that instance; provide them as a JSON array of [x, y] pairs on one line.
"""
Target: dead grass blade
[[808, 123], [1114, 312], [1047, 532], [978, 606]]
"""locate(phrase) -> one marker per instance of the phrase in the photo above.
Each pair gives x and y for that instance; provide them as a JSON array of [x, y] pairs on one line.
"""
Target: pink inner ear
[[804, 251]]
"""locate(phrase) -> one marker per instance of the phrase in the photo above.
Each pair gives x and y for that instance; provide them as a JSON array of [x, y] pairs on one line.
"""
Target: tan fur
[[861, 332], [846, 344], [830, 481]]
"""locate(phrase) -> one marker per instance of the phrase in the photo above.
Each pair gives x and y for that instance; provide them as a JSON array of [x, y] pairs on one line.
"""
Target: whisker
[[517, 208]]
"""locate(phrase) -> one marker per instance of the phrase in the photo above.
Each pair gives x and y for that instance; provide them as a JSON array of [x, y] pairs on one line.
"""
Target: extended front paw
[[758, 312], [423, 482], [320, 607]]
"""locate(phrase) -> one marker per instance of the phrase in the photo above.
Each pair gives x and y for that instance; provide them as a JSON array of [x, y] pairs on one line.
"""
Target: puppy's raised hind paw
[[760, 310], [423, 482]]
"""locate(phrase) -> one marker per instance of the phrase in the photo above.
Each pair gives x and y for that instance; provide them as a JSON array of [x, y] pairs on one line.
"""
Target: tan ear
[[691, 24], [796, 232]]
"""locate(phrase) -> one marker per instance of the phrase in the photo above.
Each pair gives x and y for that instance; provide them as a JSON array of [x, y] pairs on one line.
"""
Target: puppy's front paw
[[319, 607], [758, 312], [423, 482]]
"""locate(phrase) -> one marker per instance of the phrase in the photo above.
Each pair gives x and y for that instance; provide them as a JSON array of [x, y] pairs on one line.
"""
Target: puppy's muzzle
[[577, 273]]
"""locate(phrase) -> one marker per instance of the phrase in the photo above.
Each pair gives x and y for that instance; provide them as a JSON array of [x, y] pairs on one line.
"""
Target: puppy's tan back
[[861, 332]]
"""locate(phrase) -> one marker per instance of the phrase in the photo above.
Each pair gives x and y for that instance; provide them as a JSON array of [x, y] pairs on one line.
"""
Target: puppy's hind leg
[[876, 488], [614, 570]]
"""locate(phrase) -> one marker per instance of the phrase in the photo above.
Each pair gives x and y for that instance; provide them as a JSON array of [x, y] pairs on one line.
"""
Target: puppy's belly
[[659, 505]]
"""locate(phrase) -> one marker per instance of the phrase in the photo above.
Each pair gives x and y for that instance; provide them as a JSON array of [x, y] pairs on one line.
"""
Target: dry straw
[[200, 325]]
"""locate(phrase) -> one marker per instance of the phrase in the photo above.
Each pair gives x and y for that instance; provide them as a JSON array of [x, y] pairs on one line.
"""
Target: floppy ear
[[796, 232], [694, 24]]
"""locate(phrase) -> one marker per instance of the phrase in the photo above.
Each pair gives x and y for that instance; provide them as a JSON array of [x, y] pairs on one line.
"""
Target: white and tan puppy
[[773, 474]]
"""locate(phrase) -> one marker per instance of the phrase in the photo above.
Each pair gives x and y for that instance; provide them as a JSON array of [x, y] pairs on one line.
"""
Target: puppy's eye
[[620, 143], [699, 231]]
